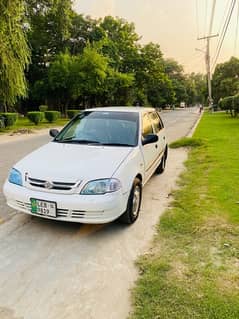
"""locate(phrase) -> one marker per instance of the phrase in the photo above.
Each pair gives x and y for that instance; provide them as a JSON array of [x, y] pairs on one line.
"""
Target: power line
[[197, 18], [221, 40], [212, 16], [236, 35], [222, 29], [205, 16], [224, 16]]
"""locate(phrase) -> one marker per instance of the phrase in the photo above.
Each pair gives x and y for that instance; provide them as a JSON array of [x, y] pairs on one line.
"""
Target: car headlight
[[101, 186], [15, 177]]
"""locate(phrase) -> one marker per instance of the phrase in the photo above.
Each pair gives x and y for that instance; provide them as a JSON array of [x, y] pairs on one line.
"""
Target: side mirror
[[53, 132], [149, 139]]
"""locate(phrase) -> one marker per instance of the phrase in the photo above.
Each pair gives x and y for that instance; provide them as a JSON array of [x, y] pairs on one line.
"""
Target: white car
[[94, 169]]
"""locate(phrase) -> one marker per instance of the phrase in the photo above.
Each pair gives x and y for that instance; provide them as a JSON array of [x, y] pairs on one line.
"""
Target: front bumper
[[88, 209]]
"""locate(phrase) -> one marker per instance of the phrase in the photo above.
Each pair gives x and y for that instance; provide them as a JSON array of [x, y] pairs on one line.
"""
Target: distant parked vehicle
[[182, 105], [94, 169]]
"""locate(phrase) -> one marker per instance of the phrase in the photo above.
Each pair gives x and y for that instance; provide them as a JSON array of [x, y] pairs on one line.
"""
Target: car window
[[156, 121], [147, 126], [160, 121], [106, 127]]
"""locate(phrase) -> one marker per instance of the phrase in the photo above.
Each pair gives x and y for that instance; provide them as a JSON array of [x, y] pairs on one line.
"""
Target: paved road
[[58, 270]]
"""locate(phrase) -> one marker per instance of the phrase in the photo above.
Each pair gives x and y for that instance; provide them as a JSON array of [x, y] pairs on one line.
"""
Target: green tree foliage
[[92, 67], [118, 88], [49, 31], [81, 62], [236, 104], [178, 79], [84, 30], [151, 78], [77, 77], [189, 88], [50, 24], [59, 85], [226, 79], [199, 92], [231, 104], [14, 52], [121, 46]]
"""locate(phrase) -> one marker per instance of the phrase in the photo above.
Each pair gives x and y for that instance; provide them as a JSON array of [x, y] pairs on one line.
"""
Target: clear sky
[[173, 24]]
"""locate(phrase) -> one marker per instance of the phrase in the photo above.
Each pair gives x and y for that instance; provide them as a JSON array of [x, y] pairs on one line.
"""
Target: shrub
[[35, 117], [43, 108], [230, 103], [236, 104], [9, 118], [226, 103], [72, 113], [52, 116]]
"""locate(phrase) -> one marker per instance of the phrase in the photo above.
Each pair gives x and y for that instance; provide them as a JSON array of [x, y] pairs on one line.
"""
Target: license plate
[[43, 207]]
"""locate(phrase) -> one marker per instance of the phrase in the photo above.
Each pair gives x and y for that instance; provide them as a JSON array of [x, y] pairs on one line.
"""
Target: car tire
[[133, 205], [160, 169]]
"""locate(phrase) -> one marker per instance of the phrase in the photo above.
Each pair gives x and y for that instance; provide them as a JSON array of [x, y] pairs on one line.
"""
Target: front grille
[[53, 185]]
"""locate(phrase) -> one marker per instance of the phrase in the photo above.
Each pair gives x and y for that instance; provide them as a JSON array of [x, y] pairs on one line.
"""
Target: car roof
[[135, 109]]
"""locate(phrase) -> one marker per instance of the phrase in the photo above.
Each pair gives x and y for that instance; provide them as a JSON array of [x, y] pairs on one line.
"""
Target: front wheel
[[134, 203]]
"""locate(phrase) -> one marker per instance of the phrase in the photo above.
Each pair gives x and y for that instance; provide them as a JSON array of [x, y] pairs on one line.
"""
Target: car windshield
[[102, 128]]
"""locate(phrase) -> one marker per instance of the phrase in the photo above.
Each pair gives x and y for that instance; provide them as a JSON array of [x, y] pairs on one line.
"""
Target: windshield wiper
[[69, 140], [65, 139], [117, 144]]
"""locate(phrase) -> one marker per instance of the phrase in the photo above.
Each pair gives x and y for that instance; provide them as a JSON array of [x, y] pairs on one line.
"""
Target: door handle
[[156, 145]]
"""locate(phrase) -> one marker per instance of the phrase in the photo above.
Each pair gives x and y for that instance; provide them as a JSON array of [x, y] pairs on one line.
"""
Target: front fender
[[132, 166]]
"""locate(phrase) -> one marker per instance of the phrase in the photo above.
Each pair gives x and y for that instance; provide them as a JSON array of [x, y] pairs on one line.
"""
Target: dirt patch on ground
[[6, 313]]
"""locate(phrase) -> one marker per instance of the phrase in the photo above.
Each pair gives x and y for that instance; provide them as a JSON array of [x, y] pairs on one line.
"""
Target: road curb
[[193, 128]]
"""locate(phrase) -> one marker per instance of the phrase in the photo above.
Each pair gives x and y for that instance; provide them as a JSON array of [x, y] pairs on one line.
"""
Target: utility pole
[[208, 67]]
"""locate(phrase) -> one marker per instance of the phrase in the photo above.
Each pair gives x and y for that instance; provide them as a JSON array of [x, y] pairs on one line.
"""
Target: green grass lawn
[[193, 268], [24, 123]]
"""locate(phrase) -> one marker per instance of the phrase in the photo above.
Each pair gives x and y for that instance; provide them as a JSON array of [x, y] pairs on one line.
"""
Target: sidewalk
[[13, 137]]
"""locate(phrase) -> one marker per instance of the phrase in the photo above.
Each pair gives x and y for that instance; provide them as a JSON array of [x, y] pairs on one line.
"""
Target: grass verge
[[192, 270], [25, 124], [187, 142]]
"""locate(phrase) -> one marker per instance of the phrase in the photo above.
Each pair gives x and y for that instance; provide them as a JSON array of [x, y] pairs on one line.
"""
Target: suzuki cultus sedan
[[94, 169]]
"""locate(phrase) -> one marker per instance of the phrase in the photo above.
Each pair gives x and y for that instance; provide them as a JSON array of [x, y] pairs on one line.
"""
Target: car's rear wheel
[[160, 169], [134, 203]]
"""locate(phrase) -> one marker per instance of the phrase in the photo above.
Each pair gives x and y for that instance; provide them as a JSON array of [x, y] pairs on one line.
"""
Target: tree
[[117, 88], [14, 52], [177, 76], [196, 88], [151, 79], [60, 80], [91, 66], [121, 47], [80, 77], [226, 79], [49, 31], [83, 30]]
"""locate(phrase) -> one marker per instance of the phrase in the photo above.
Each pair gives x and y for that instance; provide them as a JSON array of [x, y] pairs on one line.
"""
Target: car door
[[150, 152], [158, 128]]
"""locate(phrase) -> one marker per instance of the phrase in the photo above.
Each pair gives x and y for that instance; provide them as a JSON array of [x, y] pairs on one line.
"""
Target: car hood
[[72, 162]]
